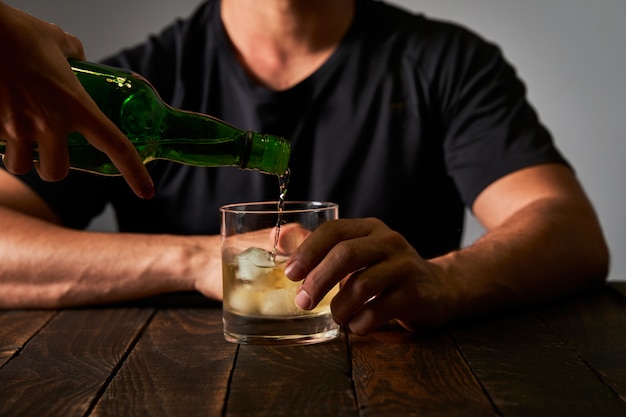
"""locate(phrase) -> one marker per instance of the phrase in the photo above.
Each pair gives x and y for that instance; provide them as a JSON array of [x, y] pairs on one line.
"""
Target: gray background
[[571, 54]]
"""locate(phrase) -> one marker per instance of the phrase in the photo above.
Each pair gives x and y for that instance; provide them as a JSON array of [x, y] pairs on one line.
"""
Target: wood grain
[[528, 370], [302, 381], [400, 374], [594, 327], [180, 367], [166, 356], [61, 371], [19, 326]]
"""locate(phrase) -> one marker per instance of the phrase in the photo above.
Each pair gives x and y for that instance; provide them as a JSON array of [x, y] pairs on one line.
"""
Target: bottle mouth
[[265, 153]]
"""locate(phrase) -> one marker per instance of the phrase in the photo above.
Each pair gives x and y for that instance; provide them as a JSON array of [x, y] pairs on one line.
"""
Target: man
[[400, 119]]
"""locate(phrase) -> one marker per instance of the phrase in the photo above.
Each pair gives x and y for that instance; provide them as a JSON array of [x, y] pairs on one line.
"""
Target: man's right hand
[[42, 101]]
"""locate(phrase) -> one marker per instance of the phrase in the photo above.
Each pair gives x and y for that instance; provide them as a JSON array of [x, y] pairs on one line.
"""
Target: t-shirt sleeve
[[491, 129]]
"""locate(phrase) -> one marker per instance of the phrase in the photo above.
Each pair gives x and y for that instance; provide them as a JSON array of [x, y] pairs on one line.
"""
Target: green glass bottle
[[159, 131]]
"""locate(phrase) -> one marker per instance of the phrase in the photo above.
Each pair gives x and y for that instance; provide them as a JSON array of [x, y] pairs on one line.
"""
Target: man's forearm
[[47, 266], [547, 250]]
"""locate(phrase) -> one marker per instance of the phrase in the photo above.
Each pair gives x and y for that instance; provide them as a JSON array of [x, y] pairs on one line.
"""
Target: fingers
[[334, 250], [101, 133], [374, 314], [69, 45], [15, 158], [313, 250], [53, 163], [20, 135], [359, 301], [383, 277], [25, 134], [23, 131], [72, 47], [372, 297], [18, 155], [290, 237], [53, 160]]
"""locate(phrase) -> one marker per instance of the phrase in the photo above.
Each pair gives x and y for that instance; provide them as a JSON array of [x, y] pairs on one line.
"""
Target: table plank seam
[[581, 356], [346, 339], [20, 349], [231, 374], [497, 411], [131, 346]]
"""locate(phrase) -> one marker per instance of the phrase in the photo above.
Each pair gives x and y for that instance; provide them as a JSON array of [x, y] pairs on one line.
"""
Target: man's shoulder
[[419, 38], [383, 17]]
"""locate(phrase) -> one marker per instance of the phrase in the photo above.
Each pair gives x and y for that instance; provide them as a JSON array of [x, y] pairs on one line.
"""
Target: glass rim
[[271, 207]]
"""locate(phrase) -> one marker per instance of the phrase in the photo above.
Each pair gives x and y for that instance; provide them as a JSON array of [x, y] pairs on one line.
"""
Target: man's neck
[[281, 42]]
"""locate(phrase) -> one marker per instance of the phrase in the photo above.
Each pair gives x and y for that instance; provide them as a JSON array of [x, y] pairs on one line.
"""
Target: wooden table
[[167, 357]]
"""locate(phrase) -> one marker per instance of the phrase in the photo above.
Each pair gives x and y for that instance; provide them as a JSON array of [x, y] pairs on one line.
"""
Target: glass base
[[299, 330]]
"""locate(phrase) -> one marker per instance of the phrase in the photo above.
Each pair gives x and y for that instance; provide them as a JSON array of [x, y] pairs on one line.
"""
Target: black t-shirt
[[408, 121]]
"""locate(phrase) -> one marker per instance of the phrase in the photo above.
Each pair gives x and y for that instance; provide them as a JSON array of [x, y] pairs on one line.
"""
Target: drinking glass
[[259, 300]]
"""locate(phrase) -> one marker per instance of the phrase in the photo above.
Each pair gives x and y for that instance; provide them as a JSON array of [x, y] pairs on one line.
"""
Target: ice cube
[[244, 299], [278, 303], [253, 264]]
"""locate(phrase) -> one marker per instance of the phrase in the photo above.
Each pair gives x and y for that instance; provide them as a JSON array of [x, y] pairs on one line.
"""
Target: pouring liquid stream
[[283, 181]]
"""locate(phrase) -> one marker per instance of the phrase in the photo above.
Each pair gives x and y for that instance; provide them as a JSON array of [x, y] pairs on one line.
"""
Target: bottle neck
[[202, 140]]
